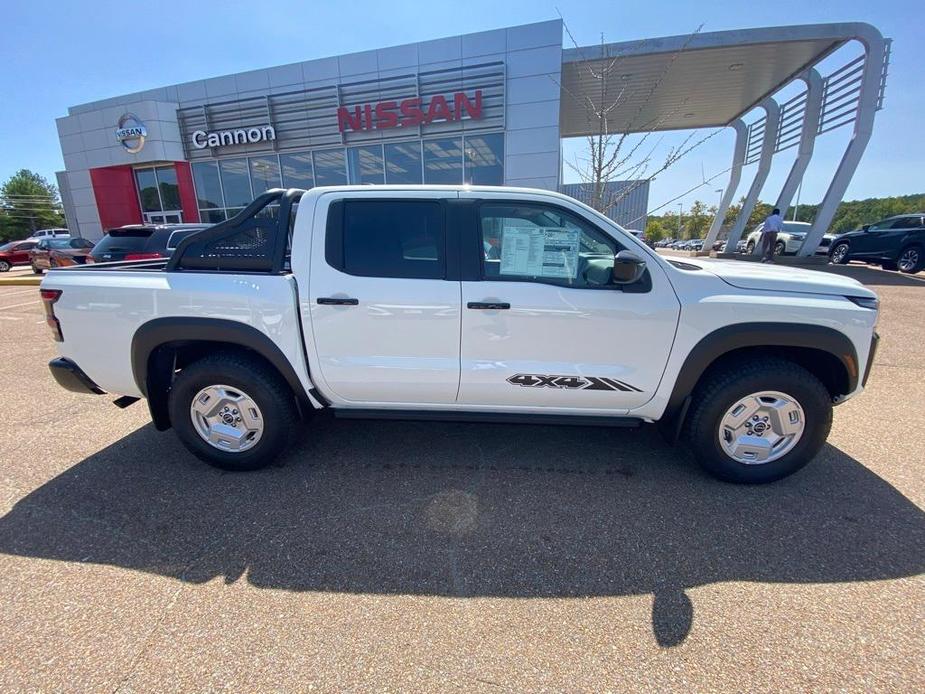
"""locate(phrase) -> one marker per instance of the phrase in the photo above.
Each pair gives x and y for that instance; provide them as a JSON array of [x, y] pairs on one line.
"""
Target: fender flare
[[160, 331], [731, 337]]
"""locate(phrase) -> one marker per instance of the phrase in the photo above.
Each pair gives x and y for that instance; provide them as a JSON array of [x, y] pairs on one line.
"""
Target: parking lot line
[[27, 303], [21, 292]]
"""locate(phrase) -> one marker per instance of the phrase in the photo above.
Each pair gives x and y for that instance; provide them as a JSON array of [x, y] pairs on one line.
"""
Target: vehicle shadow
[[471, 510]]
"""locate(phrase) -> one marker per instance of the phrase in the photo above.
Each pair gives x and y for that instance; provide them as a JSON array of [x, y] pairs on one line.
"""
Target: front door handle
[[334, 301], [489, 305]]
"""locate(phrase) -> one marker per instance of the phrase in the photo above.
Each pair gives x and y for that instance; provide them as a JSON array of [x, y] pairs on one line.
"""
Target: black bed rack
[[257, 239]]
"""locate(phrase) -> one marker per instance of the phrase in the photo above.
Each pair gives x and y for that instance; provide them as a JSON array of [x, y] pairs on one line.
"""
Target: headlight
[[872, 303]]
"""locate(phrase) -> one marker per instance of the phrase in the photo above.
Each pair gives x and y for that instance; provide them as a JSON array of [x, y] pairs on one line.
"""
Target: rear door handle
[[489, 305], [333, 301]]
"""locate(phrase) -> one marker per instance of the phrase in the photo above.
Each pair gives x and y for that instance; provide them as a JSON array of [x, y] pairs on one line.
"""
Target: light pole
[[680, 211], [720, 203]]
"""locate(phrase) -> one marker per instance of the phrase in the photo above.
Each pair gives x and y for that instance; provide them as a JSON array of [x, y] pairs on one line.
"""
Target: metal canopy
[[685, 82]]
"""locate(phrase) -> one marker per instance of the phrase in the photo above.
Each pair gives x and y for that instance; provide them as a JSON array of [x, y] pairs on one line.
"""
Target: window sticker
[[540, 251]]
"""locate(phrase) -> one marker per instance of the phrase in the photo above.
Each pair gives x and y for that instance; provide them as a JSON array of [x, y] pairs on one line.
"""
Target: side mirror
[[866, 227], [627, 267]]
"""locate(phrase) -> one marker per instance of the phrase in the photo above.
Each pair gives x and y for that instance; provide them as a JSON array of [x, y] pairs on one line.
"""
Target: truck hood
[[777, 278]]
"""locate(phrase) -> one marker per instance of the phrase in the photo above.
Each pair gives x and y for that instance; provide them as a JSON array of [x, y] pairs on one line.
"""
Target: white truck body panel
[[412, 344], [101, 311]]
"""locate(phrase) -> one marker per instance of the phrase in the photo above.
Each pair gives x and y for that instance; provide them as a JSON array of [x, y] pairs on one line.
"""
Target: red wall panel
[[187, 192], [116, 198]]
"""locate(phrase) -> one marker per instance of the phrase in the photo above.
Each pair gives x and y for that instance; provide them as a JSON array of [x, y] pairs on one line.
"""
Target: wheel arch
[[825, 352], [161, 344]]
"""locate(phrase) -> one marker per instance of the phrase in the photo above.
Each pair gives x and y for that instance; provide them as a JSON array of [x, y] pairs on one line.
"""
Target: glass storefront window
[[403, 162], [264, 174], [235, 182], [443, 161], [147, 190], [212, 216], [170, 190], [485, 159], [330, 168], [364, 165], [208, 188], [297, 170]]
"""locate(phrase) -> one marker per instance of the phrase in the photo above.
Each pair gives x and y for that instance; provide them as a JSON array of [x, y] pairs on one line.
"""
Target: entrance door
[[384, 315], [546, 327], [174, 217]]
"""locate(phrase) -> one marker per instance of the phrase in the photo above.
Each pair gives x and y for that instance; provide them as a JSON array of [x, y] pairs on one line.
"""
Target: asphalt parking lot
[[409, 556]]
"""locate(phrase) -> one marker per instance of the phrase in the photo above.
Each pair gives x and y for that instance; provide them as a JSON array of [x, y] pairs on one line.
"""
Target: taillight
[[143, 256], [49, 297]]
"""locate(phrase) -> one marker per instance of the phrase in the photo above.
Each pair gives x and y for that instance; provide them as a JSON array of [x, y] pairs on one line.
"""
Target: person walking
[[773, 224]]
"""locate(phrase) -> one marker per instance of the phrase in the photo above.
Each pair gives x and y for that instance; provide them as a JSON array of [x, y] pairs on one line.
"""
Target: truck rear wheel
[[232, 411], [759, 421]]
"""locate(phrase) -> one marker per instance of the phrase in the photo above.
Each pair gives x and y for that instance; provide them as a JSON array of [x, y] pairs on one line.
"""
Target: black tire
[[749, 247], [834, 254], [779, 248], [261, 383], [36, 271], [719, 390], [5, 266], [911, 259]]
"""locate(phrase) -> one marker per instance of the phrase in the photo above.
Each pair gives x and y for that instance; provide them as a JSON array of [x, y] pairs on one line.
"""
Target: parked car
[[825, 243], [895, 243], [57, 251], [49, 233], [393, 308], [15, 253], [789, 239], [141, 242]]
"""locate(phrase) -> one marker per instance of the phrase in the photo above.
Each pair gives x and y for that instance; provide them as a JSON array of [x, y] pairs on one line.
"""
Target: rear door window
[[394, 238], [123, 241]]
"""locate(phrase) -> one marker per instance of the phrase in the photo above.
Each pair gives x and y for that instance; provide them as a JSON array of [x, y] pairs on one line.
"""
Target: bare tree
[[611, 155]]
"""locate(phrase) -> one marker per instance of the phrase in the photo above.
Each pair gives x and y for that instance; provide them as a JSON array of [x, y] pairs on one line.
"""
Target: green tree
[[697, 220], [28, 202], [655, 230]]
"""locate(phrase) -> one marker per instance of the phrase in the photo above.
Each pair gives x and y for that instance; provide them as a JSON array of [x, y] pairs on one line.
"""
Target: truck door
[[384, 300], [543, 324]]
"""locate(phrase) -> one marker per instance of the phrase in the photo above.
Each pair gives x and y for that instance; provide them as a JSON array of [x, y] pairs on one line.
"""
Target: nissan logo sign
[[131, 133]]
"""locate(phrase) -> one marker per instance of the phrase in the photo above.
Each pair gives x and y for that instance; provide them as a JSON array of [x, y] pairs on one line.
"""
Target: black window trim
[[334, 237], [644, 285]]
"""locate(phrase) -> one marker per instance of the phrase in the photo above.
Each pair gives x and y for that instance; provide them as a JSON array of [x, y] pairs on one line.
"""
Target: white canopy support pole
[[768, 145], [813, 107], [868, 103], [735, 174]]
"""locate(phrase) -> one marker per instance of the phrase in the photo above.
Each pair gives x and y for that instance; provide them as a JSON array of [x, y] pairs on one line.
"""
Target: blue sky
[[54, 57]]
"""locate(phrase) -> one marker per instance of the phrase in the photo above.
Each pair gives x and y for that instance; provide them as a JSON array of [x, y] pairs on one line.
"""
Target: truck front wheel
[[232, 411], [758, 421]]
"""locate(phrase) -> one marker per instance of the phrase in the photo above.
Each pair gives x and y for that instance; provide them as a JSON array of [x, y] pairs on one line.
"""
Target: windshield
[[8, 246], [58, 243]]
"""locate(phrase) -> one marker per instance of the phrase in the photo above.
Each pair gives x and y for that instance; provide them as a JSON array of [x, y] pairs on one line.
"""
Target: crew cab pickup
[[465, 303]]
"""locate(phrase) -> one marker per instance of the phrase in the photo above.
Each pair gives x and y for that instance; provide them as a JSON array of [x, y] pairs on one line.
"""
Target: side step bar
[[488, 417]]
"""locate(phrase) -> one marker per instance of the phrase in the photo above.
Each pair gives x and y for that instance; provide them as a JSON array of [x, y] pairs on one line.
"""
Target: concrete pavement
[[413, 556]]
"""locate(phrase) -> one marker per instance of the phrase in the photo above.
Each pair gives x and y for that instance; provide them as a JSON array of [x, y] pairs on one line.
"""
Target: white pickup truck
[[463, 303]]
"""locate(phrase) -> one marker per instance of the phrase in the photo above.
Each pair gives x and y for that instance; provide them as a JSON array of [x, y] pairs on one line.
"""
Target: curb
[[20, 281]]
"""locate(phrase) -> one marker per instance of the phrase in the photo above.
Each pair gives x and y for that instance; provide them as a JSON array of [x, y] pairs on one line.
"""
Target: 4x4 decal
[[570, 382]]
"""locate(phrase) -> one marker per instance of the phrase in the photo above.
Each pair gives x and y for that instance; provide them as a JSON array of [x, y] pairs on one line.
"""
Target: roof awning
[[686, 82]]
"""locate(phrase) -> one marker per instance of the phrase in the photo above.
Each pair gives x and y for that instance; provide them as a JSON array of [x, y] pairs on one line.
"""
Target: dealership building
[[487, 108]]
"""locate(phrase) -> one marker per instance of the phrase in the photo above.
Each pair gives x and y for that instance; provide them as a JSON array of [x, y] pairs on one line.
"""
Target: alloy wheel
[[908, 260], [227, 418], [761, 427]]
